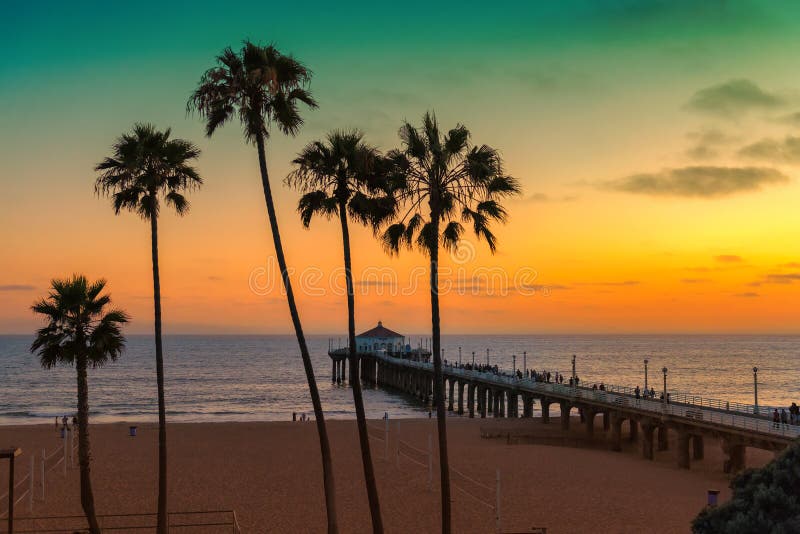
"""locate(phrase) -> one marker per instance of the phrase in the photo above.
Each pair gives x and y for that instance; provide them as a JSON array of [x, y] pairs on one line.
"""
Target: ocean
[[260, 378]]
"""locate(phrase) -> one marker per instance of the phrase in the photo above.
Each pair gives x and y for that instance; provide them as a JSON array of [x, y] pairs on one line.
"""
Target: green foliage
[[441, 176], [78, 325], [144, 164], [764, 500]]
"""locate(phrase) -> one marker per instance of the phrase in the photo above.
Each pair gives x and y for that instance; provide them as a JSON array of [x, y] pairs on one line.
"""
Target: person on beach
[[64, 422], [776, 419]]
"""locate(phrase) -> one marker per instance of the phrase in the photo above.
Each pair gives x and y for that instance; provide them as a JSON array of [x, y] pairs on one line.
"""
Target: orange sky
[[658, 167]]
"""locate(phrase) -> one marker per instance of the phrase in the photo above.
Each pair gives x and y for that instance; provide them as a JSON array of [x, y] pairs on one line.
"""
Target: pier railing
[[693, 407]]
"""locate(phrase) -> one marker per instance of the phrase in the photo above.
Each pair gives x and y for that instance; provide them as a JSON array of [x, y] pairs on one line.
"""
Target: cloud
[[792, 265], [707, 143], [781, 278], [543, 197], [16, 287], [214, 278], [792, 119], [733, 99], [746, 294], [774, 150], [728, 258], [610, 284], [695, 280], [698, 181]]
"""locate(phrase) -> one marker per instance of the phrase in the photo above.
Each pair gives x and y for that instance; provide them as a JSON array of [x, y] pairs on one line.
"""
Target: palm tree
[[80, 332], [146, 169], [263, 87], [447, 182], [338, 177]]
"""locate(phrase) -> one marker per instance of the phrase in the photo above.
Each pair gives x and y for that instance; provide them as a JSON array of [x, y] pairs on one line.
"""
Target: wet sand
[[271, 475]]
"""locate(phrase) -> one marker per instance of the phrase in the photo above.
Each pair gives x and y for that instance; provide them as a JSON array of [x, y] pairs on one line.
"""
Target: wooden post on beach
[[430, 462], [30, 483], [497, 502], [44, 461]]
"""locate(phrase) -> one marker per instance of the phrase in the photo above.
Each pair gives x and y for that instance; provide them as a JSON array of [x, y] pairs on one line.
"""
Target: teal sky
[[575, 94]]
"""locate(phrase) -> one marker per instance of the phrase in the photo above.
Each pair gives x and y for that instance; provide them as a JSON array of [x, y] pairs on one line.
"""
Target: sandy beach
[[270, 474]]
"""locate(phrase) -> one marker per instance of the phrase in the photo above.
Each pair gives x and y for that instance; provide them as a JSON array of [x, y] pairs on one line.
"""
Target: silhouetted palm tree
[[148, 169], [79, 332], [447, 181], [339, 176], [262, 87]]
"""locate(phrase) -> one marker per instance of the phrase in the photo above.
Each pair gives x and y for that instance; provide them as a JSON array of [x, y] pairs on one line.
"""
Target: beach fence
[[32, 489], [404, 453]]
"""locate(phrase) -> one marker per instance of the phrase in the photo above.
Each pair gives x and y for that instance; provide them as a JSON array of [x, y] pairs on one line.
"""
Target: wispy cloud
[[746, 294], [16, 287], [695, 280], [785, 150], [707, 143], [733, 99], [698, 181], [543, 197], [610, 284], [728, 258], [792, 119]]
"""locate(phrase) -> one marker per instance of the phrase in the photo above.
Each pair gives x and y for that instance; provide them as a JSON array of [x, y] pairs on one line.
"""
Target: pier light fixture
[[473, 358], [487, 356], [755, 390], [514, 364], [664, 370], [459, 356], [646, 361], [573, 369], [525, 363]]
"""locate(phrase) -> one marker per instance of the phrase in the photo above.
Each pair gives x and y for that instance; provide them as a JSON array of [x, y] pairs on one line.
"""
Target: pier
[[647, 420]]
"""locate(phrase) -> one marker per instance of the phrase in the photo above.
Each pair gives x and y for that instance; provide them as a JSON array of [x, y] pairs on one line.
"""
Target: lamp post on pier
[[573, 369], [525, 363], [473, 360], [646, 361], [755, 389], [487, 356], [664, 370], [459, 356], [514, 364]]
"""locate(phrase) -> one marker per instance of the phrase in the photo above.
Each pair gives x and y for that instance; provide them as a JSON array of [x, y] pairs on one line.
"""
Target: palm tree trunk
[[438, 380], [322, 431], [84, 454], [162, 410], [355, 381]]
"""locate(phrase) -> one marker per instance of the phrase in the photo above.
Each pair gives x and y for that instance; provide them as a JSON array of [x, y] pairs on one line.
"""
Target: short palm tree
[[447, 182], [339, 177], [261, 87], [80, 331], [146, 170]]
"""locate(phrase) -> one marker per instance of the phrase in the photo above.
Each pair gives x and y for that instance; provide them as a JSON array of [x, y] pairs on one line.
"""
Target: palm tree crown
[[259, 85], [145, 164], [77, 324], [344, 171], [459, 182]]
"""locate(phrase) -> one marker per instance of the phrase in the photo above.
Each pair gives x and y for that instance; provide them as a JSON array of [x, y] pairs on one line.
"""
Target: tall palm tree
[[80, 332], [447, 182], [338, 177], [145, 170], [263, 87]]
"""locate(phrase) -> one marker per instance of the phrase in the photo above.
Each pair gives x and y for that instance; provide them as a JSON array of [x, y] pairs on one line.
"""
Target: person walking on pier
[[776, 419]]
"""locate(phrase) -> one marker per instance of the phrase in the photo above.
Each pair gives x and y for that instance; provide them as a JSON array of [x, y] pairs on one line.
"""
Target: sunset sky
[[658, 145]]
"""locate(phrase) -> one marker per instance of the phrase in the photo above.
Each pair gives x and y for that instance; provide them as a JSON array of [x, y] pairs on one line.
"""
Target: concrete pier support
[[683, 449], [698, 450], [502, 405], [496, 396], [565, 408], [333, 371], [513, 405], [663, 438], [647, 441], [606, 422], [634, 430], [482, 392], [461, 397], [615, 443], [471, 400], [589, 415], [735, 452], [545, 411], [527, 405], [489, 400]]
